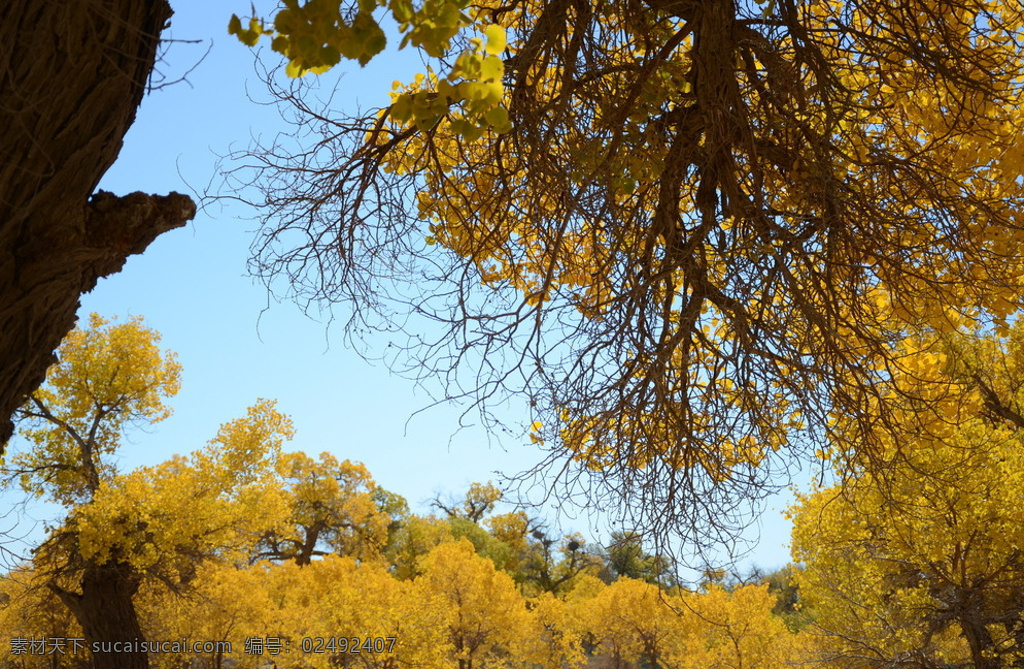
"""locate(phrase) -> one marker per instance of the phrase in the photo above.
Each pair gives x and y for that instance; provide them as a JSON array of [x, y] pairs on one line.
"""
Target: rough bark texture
[[107, 615], [72, 75]]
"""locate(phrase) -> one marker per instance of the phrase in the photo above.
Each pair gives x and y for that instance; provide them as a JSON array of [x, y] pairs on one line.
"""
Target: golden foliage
[[489, 617], [110, 376], [698, 234], [916, 557], [331, 505]]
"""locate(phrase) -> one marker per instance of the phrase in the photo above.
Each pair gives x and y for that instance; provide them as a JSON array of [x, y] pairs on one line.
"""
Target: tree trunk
[[979, 640], [72, 75], [106, 612]]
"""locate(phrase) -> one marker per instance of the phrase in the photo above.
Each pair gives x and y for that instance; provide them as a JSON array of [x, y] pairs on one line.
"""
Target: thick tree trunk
[[72, 75], [979, 640], [106, 612]]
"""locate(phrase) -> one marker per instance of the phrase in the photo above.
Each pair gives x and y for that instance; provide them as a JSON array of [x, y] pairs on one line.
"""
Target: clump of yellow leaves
[[111, 376], [635, 621], [117, 366], [917, 556], [330, 504], [705, 234], [488, 614], [162, 518], [469, 98]]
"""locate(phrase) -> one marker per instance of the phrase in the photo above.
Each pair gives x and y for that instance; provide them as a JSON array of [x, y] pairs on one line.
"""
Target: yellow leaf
[[495, 39]]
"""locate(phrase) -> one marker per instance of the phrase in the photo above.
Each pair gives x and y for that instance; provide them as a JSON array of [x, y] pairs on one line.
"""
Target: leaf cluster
[[695, 243]]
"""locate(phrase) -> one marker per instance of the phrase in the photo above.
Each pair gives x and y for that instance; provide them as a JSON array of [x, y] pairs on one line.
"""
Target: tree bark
[[106, 612], [72, 75]]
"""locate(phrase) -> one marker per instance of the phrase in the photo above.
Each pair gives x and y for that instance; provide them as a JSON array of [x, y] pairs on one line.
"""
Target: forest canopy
[[705, 240], [239, 541], [265, 555]]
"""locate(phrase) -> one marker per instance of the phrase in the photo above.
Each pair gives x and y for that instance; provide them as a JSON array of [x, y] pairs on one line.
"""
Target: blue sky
[[237, 345]]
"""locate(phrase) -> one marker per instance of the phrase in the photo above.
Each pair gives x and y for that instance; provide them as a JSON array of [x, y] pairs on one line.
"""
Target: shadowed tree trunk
[[72, 75], [106, 612]]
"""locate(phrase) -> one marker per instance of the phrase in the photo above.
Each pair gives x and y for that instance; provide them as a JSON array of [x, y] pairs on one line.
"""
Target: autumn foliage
[[689, 234], [241, 541], [243, 544], [699, 241]]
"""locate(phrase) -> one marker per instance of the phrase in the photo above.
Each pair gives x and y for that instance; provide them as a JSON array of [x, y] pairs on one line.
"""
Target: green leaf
[[402, 10], [368, 37], [281, 44], [498, 119], [329, 55], [461, 127], [401, 108], [252, 35], [473, 90], [285, 21], [307, 47], [450, 17], [376, 43], [427, 122], [494, 91], [446, 90]]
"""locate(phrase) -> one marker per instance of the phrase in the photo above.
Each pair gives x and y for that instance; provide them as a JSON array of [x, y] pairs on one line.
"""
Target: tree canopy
[[921, 563], [691, 234], [123, 530], [915, 564]]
